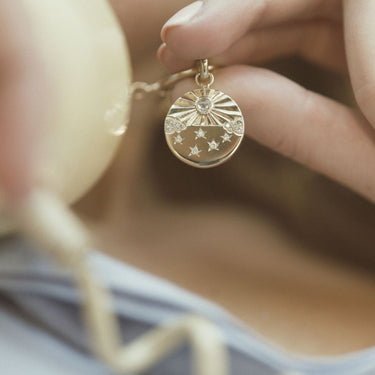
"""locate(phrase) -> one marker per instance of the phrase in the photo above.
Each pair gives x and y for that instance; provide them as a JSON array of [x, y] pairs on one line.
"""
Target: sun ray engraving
[[223, 102], [179, 109], [220, 118], [186, 116], [216, 97], [228, 111], [193, 119], [213, 120], [194, 95], [204, 127]]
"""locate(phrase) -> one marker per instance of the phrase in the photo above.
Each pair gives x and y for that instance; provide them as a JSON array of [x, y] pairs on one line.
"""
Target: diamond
[[226, 137], [179, 126], [228, 127], [200, 133], [169, 125], [194, 151], [238, 126], [213, 145], [203, 105], [178, 139], [173, 125]]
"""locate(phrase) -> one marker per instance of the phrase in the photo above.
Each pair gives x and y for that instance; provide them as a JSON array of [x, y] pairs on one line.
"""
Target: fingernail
[[182, 17], [161, 51]]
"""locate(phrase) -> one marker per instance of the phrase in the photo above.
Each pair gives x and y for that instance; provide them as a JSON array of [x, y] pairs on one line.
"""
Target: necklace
[[204, 127]]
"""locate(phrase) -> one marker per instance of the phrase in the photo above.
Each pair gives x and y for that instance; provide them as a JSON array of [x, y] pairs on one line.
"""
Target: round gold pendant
[[204, 127]]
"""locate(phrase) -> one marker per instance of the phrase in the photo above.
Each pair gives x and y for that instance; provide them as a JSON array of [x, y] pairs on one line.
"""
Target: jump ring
[[204, 82]]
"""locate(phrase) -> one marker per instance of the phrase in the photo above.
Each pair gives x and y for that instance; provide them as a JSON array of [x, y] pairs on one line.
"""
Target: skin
[[323, 134]]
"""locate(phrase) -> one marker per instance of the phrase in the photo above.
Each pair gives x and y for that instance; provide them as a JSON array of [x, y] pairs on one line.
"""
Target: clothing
[[41, 331]]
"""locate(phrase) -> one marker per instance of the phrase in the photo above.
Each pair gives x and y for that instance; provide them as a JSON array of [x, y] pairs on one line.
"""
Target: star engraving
[[178, 139], [194, 151], [213, 145], [226, 137], [200, 133]]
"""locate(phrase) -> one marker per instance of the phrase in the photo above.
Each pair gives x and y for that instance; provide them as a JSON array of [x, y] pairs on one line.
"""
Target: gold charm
[[204, 127]]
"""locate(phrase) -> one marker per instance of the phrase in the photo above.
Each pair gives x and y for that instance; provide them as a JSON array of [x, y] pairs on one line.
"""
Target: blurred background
[[284, 249]]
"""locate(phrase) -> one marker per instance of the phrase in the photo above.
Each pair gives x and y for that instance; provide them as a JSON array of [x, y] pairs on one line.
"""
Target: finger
[[20, 101], [320, 42], [309, 128], [196, 32], [360, 45]]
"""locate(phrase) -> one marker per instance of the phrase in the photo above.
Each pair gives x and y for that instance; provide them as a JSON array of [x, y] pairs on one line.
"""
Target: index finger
[[207, 28]]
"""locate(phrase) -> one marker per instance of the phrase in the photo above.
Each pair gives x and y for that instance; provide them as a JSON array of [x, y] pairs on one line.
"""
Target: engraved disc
[[204, 127]]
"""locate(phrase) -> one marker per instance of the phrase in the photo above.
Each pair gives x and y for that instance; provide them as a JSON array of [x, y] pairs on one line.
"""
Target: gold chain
[[140, 89]]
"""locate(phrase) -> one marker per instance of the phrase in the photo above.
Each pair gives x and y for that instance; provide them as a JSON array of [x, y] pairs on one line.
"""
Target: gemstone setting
[[210, 126], [203, 105]]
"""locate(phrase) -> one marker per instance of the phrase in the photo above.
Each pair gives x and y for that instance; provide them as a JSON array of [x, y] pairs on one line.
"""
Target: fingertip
[[165, 31], [192, 32], [182, 17], [187, 42], [171, 61], [160, 52], [200, 34]]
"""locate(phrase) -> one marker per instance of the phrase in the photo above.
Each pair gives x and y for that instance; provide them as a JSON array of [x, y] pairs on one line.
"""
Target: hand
[[323, 134]]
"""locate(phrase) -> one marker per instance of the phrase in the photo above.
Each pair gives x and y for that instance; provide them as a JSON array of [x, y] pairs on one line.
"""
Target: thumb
[[207, 28]]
